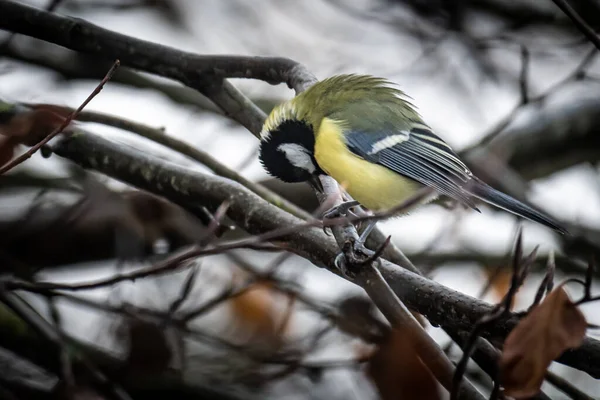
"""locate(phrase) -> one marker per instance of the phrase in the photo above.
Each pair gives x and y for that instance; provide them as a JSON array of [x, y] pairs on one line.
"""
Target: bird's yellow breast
[[374, 186]]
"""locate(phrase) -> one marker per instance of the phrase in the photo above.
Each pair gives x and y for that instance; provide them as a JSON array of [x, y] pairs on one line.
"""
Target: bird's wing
[[416, 153]]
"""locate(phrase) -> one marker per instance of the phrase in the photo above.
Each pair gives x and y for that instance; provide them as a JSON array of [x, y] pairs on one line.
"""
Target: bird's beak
[[315, 183]]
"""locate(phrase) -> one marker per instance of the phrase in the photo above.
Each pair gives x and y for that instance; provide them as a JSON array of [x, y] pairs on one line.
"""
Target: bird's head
[[287, 145]]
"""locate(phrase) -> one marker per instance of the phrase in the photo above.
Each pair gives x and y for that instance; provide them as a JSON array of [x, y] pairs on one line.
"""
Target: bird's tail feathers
[[501, 200]]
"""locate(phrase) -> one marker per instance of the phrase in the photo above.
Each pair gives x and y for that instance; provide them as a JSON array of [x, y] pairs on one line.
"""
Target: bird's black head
[[288, 152]]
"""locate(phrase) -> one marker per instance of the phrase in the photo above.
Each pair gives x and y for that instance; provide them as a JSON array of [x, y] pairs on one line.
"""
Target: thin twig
[[547, 283], [524, 75], [520, 267], [66, 122], [497, 129], [66, 368], [579, 22], [587, 284], [228, 293], [211, 234], [566, 387], [186, 290]]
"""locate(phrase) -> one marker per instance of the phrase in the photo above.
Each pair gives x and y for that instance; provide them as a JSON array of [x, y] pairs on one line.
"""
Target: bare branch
[[547, 283], [204, 73], [587, 30], [587, 285], [520, 267], [159, 136], [441, 305], [470, 153], [62, 127], [365, 273], [566, 387]]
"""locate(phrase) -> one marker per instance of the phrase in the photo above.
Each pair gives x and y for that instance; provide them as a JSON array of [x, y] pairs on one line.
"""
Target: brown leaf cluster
[[27, 125], [399, 373], [545, 333]]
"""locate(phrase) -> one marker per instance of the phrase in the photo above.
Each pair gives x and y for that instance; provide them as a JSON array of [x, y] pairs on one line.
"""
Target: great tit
[[363, 132]]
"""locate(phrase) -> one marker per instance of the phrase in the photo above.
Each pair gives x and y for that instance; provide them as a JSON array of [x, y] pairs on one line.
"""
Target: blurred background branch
[[514, 84]]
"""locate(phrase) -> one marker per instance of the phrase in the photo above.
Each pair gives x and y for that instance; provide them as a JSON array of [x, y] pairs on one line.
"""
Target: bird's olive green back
[[361, 102]]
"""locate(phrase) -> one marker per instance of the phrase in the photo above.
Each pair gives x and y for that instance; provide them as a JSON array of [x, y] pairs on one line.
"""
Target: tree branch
[[206, 73], [201, 72], [370, 279], [72, 65], [161, 137], [583, 27], [442, 306]]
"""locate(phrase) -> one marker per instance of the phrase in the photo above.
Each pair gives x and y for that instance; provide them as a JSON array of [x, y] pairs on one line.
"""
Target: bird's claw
[[355, 255], [340, 263], [342, 210]]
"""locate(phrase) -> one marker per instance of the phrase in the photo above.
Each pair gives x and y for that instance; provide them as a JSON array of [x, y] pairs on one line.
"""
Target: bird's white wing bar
[[389, 141], [422, 156]]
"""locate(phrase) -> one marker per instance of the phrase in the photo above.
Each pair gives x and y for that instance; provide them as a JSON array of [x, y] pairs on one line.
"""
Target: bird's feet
[[352, 255], [355, 255], [341, 210]]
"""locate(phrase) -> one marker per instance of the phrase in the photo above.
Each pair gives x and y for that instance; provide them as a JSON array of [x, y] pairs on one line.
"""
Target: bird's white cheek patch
[[389, 141], [298, 156]]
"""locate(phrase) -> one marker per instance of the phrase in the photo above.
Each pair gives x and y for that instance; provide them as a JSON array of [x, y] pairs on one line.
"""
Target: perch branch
[[442, 306]]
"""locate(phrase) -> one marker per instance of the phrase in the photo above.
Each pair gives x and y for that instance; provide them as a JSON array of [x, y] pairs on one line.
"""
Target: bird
[[364, 132]]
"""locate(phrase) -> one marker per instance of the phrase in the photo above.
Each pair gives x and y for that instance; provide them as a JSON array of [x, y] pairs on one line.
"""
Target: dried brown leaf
[[499, 283], [7, 149], [33, 125], [28, 127], [399, 373], [550, 328], [258, 315]]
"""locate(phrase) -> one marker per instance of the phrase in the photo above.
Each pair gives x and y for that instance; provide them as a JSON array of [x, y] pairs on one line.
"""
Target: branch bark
[[159, 136], [442, 306], [370, 279], [72, 65], [579, 22], [201, 72]]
